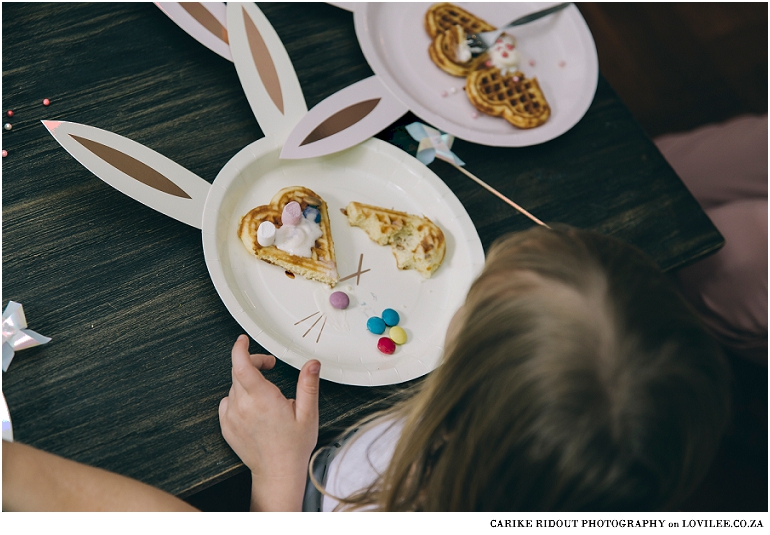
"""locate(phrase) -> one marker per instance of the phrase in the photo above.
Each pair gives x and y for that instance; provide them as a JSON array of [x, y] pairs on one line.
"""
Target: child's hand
[[272, 435]]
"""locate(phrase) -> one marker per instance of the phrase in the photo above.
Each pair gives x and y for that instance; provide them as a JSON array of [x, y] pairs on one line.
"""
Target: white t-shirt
[[361, 461]]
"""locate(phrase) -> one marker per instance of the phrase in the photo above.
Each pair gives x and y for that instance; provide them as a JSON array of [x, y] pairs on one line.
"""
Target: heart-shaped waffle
[[448, 25], [446, 51], [321, 265], [441, 17], [519, 100]]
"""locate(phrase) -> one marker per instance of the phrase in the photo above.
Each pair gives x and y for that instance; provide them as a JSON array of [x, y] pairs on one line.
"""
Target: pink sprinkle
[[509, 46], [516, 78], [5, 153], [532, 63], [46, 102], [505, 54], [9, 113], [562, 63], [474, 115], [444, 93]]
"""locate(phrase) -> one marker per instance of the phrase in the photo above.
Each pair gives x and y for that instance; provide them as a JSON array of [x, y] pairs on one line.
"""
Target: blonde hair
[[578, 380]]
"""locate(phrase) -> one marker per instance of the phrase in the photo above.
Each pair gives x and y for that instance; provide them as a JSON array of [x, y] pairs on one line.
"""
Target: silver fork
[[480, 42]]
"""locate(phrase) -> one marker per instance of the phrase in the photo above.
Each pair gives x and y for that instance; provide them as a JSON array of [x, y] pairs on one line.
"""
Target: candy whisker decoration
[[310, 316], [314, 324], [435, 144], [15, 334], [358, 273]]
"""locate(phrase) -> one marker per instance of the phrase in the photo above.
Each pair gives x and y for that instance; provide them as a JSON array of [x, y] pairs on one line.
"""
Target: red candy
[[386, 345], [9, 113], [46, 102]]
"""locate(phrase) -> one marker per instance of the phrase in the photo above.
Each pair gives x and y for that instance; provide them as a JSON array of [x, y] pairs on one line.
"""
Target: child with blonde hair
[[575, 378]]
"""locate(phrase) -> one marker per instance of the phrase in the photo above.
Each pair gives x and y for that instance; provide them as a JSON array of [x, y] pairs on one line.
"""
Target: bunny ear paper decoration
[[133, 169], [16, 336], [205, 21], [265, 71], [343, 120]]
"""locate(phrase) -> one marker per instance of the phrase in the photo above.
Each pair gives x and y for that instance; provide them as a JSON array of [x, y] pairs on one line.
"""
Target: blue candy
[[390, 317], [312, 213], [375, 325]]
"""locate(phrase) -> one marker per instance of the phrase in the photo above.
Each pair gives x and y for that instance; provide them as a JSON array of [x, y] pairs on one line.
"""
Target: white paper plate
[[268, 304], [395, 44]]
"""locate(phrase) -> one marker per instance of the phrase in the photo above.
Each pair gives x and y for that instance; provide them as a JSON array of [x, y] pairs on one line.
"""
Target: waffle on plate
[[441, 17], [446, 51], [416, 242], [448, 25], [321, 265], [519, 100]]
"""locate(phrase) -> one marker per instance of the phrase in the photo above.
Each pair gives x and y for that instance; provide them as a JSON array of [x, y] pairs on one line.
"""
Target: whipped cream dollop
[[296, 235], [463, 52], [298, 239], [503, 54]]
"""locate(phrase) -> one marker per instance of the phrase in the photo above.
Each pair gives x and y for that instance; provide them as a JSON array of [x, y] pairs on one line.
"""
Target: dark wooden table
[[140, 355]]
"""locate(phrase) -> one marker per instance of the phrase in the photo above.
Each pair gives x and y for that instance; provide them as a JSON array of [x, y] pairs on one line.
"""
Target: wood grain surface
[[140, 355]]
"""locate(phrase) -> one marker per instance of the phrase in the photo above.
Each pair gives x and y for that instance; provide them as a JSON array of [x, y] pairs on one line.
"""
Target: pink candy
[[292, 213]]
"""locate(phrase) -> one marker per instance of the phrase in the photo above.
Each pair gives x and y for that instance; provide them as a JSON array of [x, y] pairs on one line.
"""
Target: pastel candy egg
[[375, 325], [386, 345], [311, 213], [390, 317], [339, 300], [398, 335], [291, 214]]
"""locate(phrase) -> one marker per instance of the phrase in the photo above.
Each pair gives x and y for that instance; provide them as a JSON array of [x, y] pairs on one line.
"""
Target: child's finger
[[244, 372], [307, 392], [263, 362], [223, 408]]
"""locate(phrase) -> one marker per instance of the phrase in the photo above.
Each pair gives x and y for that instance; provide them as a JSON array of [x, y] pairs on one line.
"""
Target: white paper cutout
[[201, 32], [188, 211], [387, 110], [16, 336], [6, 418]]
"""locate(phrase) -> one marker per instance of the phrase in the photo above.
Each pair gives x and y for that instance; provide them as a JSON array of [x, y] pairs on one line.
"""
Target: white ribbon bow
[[15, 334]]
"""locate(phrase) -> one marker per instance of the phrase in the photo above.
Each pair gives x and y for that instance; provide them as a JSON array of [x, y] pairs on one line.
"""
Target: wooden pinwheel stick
[[500, 195]]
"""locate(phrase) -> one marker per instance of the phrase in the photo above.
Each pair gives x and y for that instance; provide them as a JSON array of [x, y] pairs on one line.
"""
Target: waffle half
[[416, 242], [322, 265], [519, 100], [441, 17], [443, 52]]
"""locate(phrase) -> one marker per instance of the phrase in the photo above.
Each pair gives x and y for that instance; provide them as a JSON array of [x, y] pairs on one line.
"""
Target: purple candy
[[339, 300]]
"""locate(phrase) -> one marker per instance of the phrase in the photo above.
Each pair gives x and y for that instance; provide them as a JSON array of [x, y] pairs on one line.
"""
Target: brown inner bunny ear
[[263, 62], [132, 167], [341, 120], [207, 20]]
